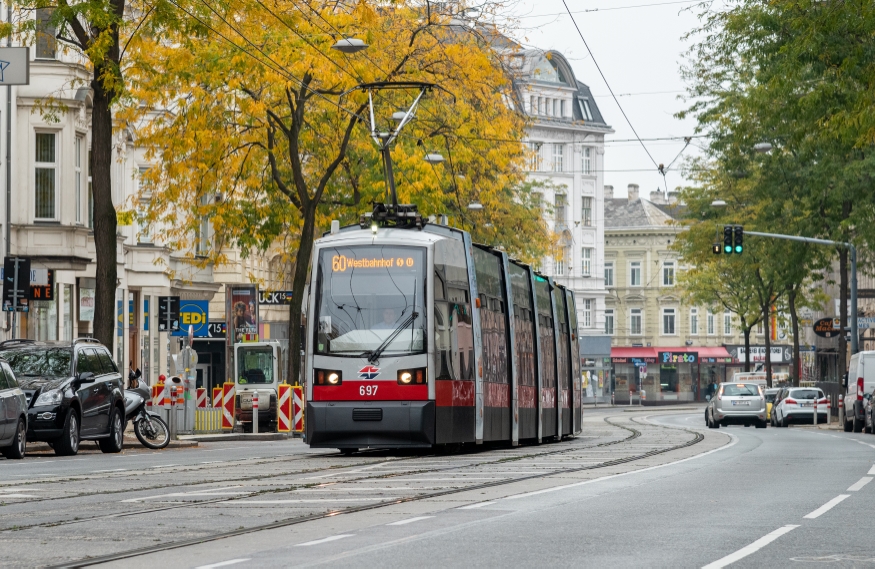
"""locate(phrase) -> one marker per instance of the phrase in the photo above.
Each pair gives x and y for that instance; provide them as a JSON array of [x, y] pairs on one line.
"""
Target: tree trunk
[[105, 222], [843, 312], [302, 265], [767, 309], [747, 349], [796, 376]]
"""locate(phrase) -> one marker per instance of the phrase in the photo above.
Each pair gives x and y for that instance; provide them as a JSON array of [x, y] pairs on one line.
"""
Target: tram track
[[634, 434]]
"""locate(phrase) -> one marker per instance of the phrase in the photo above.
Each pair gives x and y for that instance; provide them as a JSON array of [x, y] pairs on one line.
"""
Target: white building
[[567, 145]]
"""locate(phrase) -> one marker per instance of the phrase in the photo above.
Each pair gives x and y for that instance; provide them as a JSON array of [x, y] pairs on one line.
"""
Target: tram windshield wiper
[[374, 355]]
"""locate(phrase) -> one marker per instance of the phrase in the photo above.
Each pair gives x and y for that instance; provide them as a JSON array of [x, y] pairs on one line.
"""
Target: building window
[[668, 273], [609, 322], [668, 321], [534, 156], [45, 181], [760, 332], [727, 323], [90, 195], [540, 105], [584, 109], [560, 211], [558, 156], [694, 322], [710, 324], [559, 266], [562, 108], [79, 145], [635, 273], [609, 273], [533, 105], [46, 42], [586, 262], [145, 195], [586, 160], [587, 313], [586, 212], [635, 322]]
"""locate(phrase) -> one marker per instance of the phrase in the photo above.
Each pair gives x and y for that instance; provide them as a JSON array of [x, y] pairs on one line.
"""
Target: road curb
[[228, 437], [129, 443]]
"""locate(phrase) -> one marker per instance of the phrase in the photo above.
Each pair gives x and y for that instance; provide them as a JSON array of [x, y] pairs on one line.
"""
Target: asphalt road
[[741, 496], [768, 497]]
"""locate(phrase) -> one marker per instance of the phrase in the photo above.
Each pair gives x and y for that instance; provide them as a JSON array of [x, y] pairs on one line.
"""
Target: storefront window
[[42, 320], [67, 299]]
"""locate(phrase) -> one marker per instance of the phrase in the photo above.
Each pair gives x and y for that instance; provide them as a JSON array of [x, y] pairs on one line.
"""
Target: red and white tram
[[417, 337]]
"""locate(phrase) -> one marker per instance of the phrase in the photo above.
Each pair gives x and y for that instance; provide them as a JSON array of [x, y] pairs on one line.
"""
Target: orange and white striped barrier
[[201, 401], [284, 409], [217, 397], [298, 408], [228, 405], [165, 396]]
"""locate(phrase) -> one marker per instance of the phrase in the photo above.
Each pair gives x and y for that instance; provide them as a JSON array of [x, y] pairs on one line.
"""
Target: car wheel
[[710, 421], [68, 444], [848, 426], [866, 428], [707, 420], [19, 442], [858, 424], [784, 423], [761, 424], [115, 441]]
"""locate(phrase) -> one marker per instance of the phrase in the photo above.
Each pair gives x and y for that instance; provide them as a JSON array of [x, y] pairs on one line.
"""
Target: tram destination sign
[[342, 263]]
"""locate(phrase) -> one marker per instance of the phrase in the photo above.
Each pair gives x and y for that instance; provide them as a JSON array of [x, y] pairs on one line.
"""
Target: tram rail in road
[[615, 441]]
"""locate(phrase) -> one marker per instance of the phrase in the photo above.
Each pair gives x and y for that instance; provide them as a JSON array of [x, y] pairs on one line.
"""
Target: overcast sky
[[638, 45]]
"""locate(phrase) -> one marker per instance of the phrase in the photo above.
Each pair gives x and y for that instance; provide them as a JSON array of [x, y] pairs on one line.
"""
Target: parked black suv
[[74, 392]]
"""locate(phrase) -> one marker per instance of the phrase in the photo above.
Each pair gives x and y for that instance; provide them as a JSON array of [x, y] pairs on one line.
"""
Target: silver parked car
[[737, 404], [13, 414]]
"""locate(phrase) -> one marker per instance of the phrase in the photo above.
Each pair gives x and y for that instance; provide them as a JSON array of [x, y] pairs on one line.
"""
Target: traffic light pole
[[853, 254]]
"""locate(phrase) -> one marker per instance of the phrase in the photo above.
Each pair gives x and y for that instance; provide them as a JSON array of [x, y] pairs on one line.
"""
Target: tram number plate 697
[[369, 390]]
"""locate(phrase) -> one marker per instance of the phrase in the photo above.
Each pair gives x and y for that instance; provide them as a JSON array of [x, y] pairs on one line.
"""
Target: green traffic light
[[738, 249], [727, 249]]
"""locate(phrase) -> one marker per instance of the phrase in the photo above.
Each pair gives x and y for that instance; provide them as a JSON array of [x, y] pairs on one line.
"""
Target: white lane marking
[[603, 478], [316, 501], [163, 465], [752, 548], [223, 563], [826, 507], [864, 444], [409, 521], [465, 479], [111, 470], [871, 470], [474, 506], [233, 448], [195, 493], [325, 540], [860, 483], [17, 496]]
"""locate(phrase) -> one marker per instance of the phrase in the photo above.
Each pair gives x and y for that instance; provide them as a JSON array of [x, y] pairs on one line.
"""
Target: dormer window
[[584, 109]]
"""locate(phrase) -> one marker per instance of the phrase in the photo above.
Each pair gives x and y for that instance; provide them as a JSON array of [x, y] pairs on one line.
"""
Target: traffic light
[[716, 248], [727, 239], [739, 238]]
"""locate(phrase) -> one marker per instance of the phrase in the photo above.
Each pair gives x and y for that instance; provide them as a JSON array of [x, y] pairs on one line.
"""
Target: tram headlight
[[412, 376], [328, 377]]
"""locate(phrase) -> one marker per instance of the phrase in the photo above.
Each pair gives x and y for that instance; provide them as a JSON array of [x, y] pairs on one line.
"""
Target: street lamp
[[350, 45], [763, 147], [433, 158], [718, 203], [475, 206]]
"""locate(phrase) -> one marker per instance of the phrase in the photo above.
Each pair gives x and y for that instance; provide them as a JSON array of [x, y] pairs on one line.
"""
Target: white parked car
[[796, 405]]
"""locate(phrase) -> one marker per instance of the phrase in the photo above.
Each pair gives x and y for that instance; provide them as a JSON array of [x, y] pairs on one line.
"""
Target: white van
[[757, 377], [859, 381]]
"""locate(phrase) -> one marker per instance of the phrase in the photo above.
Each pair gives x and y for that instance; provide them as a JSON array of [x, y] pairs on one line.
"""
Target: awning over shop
[[713, 355], [622, 355], [706, 355]]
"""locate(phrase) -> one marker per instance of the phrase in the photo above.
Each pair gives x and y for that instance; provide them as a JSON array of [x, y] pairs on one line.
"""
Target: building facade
[[660, 344], [566, 145]]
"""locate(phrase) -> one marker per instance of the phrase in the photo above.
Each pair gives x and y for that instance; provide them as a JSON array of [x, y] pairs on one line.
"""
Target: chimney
[[609, 192], [673, 197], [657, 196], [633, 192]]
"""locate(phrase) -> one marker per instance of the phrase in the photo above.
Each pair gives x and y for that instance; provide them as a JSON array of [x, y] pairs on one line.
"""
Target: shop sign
[[716, 361], [194, 313], [678, 357], [633, 360], [275, 298], [827, 327], [217, 330], [778, 354]]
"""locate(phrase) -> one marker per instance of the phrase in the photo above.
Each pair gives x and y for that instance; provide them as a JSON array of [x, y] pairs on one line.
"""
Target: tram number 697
[[370, 390]]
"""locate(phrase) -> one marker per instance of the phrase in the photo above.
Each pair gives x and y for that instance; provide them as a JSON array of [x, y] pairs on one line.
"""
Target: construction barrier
[[228, 405], [208, 420], [298, 408], [284, 408], [217, 397], [201, 402]]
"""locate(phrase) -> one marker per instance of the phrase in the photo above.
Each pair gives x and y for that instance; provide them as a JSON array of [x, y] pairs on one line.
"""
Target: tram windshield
[[370, 298]]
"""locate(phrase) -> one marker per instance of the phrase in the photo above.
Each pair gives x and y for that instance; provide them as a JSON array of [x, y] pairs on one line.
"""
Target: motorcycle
[[150, 429]]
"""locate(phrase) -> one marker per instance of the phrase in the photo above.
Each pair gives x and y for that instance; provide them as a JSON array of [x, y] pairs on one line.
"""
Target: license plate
[[741, 403], [806, 404], [246, 401]]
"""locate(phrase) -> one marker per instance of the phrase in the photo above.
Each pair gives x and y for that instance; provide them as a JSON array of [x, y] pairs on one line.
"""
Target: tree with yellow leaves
[[259, 132]]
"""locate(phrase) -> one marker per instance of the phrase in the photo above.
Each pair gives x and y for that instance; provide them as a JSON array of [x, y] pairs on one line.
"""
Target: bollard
[[829, 412], [255, 412], [613, 401], [630, 398], [172, 417], [642, 398], [815, 409], [841, 411]]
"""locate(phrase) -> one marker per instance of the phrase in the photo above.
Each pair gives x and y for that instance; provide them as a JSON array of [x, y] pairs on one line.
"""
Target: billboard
[[243, 313]]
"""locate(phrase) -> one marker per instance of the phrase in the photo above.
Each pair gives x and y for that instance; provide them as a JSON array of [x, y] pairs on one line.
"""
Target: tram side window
[[546, 339], [564, 339], [493, 324], [524, 325], [453, 330]]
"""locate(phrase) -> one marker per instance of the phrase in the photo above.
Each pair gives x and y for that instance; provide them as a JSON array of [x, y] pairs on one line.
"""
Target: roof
[[622, 214]]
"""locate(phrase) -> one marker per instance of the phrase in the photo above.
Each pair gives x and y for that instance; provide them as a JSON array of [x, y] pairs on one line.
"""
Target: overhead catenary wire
[[591, 10]]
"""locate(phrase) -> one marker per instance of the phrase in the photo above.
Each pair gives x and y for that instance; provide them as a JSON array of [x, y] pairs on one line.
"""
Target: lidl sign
[[194, 313]]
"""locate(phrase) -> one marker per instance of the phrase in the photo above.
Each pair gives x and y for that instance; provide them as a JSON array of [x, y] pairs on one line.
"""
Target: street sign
[[216, 330], [194, 315], [16, 282], [14, 65], [275, 298], [867, 322], [826, 327], [168, 313]]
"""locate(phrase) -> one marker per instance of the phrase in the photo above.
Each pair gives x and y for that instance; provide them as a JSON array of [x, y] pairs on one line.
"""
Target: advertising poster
[[244, 313]]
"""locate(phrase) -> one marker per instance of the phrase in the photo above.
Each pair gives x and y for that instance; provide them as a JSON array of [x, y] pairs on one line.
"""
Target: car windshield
[[366, 299], [805, 393], [254, 365], [741, 390], [52, 362]]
